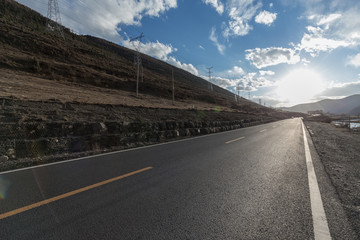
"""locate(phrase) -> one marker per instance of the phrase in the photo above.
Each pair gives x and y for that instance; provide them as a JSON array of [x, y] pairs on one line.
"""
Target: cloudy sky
[[283, 52]]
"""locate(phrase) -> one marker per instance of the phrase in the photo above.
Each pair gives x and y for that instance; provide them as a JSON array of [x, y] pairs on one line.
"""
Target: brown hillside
[[30, 55]]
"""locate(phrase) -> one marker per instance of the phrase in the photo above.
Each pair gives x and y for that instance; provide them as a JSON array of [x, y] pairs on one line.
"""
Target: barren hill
[[78, 95], [29, 51], [347, 105]]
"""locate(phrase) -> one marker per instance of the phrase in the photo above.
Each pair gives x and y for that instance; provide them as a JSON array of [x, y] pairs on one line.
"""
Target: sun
[[300, 86]]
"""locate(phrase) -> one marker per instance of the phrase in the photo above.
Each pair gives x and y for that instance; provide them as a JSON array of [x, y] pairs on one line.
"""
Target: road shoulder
[[341, 227]]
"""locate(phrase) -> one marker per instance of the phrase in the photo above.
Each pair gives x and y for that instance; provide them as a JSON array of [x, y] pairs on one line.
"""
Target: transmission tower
[[173, 86], [53, 21], [136, 41], [238, 88], [210, 85]]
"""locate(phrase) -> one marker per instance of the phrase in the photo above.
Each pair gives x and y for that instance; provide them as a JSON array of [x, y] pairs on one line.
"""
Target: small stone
[[4, 158]]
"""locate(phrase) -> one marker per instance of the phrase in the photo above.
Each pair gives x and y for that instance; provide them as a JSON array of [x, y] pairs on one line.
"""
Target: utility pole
[[238, 92], [53, 21], [142, 73], [173, 86], [210, 85], [137, 58], [249, 95]]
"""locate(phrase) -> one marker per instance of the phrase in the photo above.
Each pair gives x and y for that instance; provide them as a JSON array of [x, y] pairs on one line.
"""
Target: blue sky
[[282, 52]]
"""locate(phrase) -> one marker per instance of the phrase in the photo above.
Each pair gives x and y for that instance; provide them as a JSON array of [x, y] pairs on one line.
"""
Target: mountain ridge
[[347, 105]]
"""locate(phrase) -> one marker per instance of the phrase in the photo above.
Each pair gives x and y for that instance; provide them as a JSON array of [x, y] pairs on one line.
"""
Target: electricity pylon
[[238, 88], [53, 21], [210, 84], [173, 86], [137, 58]]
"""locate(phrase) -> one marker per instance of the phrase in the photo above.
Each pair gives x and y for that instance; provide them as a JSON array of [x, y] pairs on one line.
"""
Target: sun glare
[[300, 86]]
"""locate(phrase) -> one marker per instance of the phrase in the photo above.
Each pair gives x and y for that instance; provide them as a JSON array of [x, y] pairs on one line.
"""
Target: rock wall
[[29, 140]]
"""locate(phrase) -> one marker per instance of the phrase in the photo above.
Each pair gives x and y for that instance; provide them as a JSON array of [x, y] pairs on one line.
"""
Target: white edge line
[[320, 224], [130, 149]]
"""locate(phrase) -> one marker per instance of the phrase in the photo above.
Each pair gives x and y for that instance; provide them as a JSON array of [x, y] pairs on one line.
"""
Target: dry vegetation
[[55, 92], [38, 65]]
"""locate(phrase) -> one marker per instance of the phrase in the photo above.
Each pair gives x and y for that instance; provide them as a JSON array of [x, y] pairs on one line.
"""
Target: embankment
[[38, 132]]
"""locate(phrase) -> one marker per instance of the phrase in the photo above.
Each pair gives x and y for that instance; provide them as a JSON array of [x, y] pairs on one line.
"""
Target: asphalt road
[[250, 183]]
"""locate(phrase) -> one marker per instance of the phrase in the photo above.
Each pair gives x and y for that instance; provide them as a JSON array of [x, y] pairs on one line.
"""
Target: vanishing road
[[251, 183]]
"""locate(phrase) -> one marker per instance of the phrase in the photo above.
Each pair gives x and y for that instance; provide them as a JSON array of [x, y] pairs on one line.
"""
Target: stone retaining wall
[[45, 139]]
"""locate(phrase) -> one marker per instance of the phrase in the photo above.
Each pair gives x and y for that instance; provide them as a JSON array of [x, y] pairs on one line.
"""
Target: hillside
[[348, 105], [27, 49], [61, 98]]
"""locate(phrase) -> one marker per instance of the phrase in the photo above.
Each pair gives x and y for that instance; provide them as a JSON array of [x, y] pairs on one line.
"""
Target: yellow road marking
[[65, 195], [237, 139]]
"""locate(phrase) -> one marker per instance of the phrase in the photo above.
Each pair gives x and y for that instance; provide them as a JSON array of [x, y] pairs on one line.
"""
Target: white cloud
[[327, 19], [271, 5], [305, 61], [337, 90], [201, 47], [263, 82], [162, 52], [251, 82], [331, 31], [265, 17], [236, 71], [348, 26], [248, 82], [155, 49], [217, 4], [186, 66], [102, 18], [214, 38], [265, 57], [354, 60], [269, 73], [240, 13], [315, 43], [344, 24], [223, 82]]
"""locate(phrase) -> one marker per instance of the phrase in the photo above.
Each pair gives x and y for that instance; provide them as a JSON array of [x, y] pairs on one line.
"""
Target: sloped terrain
[[78, 95], [348, 105], [28, 49]]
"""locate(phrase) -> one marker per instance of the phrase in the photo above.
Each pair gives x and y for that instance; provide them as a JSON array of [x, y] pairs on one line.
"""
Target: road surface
[[250, 183]]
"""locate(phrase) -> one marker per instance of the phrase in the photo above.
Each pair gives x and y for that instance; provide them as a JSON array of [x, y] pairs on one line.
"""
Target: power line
[[53, 21], [137, 58], [173, 86], [210, 85]]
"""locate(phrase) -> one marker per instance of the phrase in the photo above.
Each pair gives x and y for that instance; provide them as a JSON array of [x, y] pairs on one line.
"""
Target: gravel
[[339, 151]]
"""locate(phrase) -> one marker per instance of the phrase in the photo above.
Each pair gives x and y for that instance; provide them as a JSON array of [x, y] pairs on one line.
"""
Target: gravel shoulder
[[339, 152]]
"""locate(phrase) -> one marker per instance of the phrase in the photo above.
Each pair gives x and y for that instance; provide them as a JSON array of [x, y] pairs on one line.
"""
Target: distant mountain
[[355, 111], [348, 105]]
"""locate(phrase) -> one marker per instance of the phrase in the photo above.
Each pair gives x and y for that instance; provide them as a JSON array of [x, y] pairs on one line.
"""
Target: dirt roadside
[[339, 152]]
